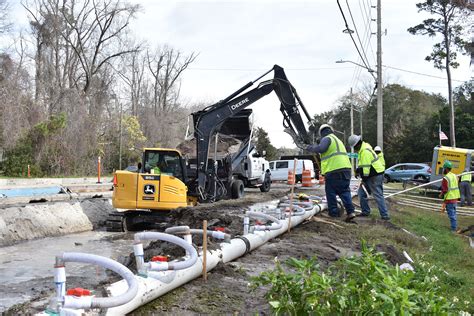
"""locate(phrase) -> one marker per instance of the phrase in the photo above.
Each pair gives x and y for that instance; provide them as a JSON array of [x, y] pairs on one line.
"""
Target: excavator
[[166, 180]]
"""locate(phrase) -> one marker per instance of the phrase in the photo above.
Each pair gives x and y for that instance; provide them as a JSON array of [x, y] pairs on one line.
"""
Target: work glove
[[318, 140]]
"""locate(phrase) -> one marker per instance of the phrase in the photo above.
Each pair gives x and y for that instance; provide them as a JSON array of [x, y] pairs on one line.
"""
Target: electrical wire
[[420, 74], [261, 69], [357, 34], [350, 34]]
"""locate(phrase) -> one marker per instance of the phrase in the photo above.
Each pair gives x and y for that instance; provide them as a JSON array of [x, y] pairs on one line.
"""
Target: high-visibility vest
[[335, 157], [466, 177], [381, 158], [453, 188], [368, 158]]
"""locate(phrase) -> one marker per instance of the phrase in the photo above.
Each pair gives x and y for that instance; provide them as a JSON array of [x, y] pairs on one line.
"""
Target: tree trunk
[[450, 88]]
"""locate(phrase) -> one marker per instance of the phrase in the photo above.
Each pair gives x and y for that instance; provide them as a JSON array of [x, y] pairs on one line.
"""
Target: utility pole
[[379, 77], [120, 137], [352, 131]]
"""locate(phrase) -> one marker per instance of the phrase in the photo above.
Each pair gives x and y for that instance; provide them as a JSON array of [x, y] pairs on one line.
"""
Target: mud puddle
[[26, 269]]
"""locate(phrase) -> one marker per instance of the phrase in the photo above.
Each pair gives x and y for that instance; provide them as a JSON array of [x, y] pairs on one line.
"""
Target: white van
[[279, 169]]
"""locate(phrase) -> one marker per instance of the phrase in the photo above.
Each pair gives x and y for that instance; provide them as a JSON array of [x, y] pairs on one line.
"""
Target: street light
[[370, 70], [378, 81]]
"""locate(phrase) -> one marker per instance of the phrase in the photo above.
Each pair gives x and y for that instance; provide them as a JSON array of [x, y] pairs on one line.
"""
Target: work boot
[[386, 218], [363, 214], [350, 217]]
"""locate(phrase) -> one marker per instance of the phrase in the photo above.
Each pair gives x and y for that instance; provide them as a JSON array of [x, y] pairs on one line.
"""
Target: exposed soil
[[227, 289]]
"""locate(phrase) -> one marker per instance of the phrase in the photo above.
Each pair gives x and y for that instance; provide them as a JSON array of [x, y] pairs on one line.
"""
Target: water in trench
[[26, 267]]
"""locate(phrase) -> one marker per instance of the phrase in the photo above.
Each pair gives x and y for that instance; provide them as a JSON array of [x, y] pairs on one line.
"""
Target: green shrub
[[364, 284]]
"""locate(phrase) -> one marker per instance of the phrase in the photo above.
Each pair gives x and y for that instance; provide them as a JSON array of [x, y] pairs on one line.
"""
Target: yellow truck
[[461, 159]]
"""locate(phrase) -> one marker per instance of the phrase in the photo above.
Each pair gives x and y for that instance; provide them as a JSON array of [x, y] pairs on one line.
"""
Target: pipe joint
[[157, 266], [77, 302]]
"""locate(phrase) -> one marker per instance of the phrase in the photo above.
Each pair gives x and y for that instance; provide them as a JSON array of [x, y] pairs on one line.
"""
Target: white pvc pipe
[[151, 288], [88, 302], [297, 210], [177, 230], [305, 205], [275, 225], [246, 225], [243, 244], [163, 266]]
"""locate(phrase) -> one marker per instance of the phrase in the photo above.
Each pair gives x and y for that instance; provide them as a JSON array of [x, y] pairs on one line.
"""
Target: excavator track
[[115, 223], [137, 221]]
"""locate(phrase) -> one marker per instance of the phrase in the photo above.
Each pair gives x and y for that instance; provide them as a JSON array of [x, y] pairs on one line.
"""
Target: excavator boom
[[209, 120]]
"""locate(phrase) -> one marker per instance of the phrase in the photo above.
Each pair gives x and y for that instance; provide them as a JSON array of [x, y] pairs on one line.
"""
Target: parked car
[[408, 171], [279, 169]]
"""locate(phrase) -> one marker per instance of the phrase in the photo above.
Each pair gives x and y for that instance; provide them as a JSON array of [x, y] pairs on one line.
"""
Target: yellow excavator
[[166, 181]]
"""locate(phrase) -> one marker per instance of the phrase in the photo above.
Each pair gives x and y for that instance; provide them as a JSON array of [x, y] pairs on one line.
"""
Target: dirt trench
[[227, 288]]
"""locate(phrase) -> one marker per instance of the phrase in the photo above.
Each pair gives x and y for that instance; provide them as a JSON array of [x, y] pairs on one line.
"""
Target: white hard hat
[[353, 140], [323, 127], [377, 148]]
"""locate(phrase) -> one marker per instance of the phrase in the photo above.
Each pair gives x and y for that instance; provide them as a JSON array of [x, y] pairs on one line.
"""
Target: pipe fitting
[[297, 210], [174, 240], [88, 302], [179, 230]]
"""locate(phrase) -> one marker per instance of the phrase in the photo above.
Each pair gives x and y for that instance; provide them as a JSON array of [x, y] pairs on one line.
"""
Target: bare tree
[[166, 66], [5, 24], [98, 30]]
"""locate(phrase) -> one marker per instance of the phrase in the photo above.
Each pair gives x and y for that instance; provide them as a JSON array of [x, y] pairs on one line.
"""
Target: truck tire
[[237, 189], [267, 183]]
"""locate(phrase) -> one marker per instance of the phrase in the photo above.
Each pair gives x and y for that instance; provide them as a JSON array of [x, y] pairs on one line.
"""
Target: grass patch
[[447, 251]]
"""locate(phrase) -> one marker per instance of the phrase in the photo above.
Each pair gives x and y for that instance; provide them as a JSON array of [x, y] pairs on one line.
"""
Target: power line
[[349, 31], [265, 69], [357, 34], [359, 69], [368, 14], [420, 74]]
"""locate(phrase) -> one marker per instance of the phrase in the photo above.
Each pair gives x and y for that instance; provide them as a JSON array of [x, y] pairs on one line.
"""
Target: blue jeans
[[466, 193], [374, 186], [339, 187], [451, 210]]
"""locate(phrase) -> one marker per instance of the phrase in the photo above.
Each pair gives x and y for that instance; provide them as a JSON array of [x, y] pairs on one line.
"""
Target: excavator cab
[[159, 185]]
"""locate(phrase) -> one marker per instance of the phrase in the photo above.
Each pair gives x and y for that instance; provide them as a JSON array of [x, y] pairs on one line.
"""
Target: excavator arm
[[207, 121]]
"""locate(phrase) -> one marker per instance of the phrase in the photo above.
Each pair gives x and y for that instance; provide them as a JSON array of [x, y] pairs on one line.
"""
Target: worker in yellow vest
[[450, 193], [336, 168], [371, 170], [466, 188], [379, 153]]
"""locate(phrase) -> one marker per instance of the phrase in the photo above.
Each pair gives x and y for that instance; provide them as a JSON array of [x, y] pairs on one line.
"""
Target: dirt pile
[[41, 220], [225, 145]]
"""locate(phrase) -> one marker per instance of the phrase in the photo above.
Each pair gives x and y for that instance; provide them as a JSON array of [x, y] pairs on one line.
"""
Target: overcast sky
[[239, 40]]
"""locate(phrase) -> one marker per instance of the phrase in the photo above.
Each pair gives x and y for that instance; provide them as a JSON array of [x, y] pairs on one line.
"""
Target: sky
[[237, 41]]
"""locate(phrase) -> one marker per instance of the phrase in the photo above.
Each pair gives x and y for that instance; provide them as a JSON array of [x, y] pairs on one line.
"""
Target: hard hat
[[323, 127], [447, 164], [353, 140], [377, 148]]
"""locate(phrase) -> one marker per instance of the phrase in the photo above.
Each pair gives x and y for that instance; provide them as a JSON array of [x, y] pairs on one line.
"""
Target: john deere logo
[[149, 189]]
